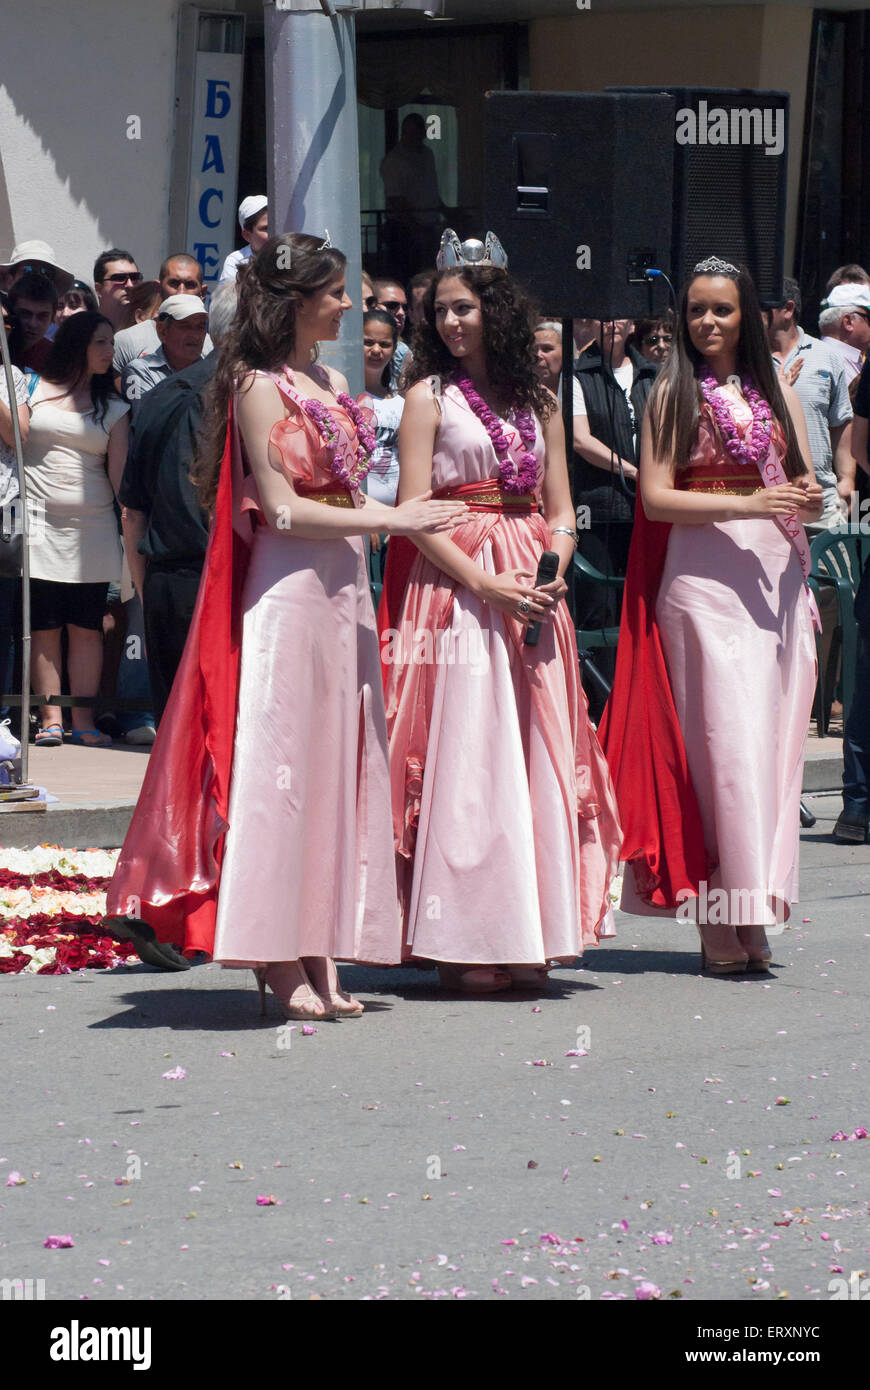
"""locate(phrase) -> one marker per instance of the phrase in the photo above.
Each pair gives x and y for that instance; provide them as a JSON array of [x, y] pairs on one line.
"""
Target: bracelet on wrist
[[566, 531]]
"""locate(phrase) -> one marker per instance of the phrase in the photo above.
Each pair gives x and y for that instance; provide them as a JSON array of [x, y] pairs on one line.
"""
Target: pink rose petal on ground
[[15, 1180], [662, 1238], [270, 1201], [177, 1074], [645, 1290], [577, 1052], [307, 1030], [58, 1242], [859, 1133], [840, 1137]]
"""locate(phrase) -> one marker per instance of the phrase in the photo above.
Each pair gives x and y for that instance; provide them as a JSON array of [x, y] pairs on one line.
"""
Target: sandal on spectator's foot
[[90, 738], [50, 736]]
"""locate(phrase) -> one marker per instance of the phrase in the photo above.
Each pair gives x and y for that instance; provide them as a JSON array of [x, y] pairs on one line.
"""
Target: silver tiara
[[327, 244], [472, 252], [713, 266]]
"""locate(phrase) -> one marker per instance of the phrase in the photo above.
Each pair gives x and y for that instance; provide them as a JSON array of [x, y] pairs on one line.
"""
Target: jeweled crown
[[714, 266], [472, 252]]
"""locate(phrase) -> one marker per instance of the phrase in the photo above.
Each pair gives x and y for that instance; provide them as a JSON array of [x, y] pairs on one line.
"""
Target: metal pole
[[311, 126], [25, 560]]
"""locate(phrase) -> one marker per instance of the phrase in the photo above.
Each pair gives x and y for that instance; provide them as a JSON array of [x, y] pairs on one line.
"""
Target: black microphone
[[548, 569]]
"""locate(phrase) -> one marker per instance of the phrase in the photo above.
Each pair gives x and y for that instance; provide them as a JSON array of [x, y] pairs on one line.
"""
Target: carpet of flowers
[[52, 902]]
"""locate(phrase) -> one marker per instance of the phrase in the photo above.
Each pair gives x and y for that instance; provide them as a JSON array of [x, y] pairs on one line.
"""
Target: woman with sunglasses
[[653, 337], [707, 720]]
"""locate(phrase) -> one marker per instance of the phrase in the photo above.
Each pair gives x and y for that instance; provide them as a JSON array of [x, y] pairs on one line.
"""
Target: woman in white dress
[[74, 459]]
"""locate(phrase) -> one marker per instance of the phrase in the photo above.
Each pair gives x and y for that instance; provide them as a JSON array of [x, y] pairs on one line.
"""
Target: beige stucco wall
[[71, 72], [763, 46]]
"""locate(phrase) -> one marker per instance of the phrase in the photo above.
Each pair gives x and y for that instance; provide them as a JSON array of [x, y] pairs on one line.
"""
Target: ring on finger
[[525, 606]]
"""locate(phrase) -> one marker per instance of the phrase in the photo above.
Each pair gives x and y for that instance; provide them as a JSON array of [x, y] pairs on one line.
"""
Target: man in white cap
[[844, 324], [181, 326], [254, 224], [179, 274], [38, 258]]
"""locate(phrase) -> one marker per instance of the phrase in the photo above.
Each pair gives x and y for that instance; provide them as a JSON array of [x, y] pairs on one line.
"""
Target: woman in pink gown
[[305, 869], [707, 721], [504, 816]]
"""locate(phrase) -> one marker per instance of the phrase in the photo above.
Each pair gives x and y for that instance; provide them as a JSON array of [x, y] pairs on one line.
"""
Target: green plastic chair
[[837, 562]]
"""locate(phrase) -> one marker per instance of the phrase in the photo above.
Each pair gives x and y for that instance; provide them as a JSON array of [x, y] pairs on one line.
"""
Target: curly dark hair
[[508, 339], [285, 270], [68, 360]]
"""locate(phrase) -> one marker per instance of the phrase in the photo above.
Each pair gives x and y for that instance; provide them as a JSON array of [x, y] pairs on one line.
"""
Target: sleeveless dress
[[263, 831], [736, 632], [504, 815]]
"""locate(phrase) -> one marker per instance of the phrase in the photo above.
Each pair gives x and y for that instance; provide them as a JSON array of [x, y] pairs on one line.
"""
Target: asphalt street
[[635, 1128]]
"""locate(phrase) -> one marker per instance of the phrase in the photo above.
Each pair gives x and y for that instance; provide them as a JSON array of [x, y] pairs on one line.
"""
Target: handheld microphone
[[548, 569]]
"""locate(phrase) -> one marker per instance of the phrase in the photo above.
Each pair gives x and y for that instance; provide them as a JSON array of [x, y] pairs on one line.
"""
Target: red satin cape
[[642, 741], [168, 871]]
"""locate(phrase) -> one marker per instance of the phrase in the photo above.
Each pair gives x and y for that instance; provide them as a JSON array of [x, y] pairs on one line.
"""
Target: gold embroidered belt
[[489, 498], [714, 488], [330, 499]]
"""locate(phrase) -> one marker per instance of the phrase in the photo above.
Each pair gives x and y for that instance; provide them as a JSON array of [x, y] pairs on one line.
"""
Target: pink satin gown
[[504, 815], [737, 636], [308, 868]]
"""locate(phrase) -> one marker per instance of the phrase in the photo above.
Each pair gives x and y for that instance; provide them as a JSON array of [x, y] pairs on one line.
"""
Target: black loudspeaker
[[579, 190], [730, 169]]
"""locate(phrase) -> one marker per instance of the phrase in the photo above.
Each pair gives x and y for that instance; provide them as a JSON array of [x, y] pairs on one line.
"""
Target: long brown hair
[[674, 404], [262, 336], [508, 339]]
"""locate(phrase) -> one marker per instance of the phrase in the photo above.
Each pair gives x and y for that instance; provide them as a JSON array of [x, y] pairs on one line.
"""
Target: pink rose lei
[[325, 422], [755, 445], [518, 479]]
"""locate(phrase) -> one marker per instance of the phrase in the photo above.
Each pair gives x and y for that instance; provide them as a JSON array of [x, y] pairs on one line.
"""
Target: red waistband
[[488, 496]]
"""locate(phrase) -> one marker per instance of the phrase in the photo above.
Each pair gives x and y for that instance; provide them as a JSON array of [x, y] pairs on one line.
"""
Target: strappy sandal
[[49, 737], [90, 738]]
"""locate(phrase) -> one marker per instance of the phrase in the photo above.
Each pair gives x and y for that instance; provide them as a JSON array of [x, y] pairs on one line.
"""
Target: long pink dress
[[504, 816], [308, 868], [737, 636]]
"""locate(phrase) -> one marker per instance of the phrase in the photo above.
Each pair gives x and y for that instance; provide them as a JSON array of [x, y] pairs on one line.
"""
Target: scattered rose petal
[[645, 1290], [177, 1074], [58, 1242]]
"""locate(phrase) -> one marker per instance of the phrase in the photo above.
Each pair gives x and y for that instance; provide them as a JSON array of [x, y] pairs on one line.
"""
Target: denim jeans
[[856, 738], [133, 682]]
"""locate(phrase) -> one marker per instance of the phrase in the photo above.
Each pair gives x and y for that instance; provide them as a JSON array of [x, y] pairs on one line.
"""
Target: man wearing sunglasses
[[390, 297], [114, 272]]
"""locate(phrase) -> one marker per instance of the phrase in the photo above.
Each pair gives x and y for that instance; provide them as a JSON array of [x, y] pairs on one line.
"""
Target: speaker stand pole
[[568, 424]]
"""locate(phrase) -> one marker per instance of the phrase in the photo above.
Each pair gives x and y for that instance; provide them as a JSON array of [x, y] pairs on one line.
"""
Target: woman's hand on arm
[[260, 406], [7, 433]]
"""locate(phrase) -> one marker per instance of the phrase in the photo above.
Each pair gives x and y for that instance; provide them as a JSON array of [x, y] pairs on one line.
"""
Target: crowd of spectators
[[109, 382]]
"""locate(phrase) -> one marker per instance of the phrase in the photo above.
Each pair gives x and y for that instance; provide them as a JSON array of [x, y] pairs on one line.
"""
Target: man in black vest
[[615, 381]]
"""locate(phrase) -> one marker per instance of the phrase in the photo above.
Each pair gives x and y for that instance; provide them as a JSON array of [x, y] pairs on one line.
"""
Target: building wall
[[764, 46], [71, 75]]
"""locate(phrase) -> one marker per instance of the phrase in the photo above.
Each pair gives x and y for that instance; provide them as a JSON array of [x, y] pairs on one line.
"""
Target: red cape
[[169, 867], [642, 741]]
